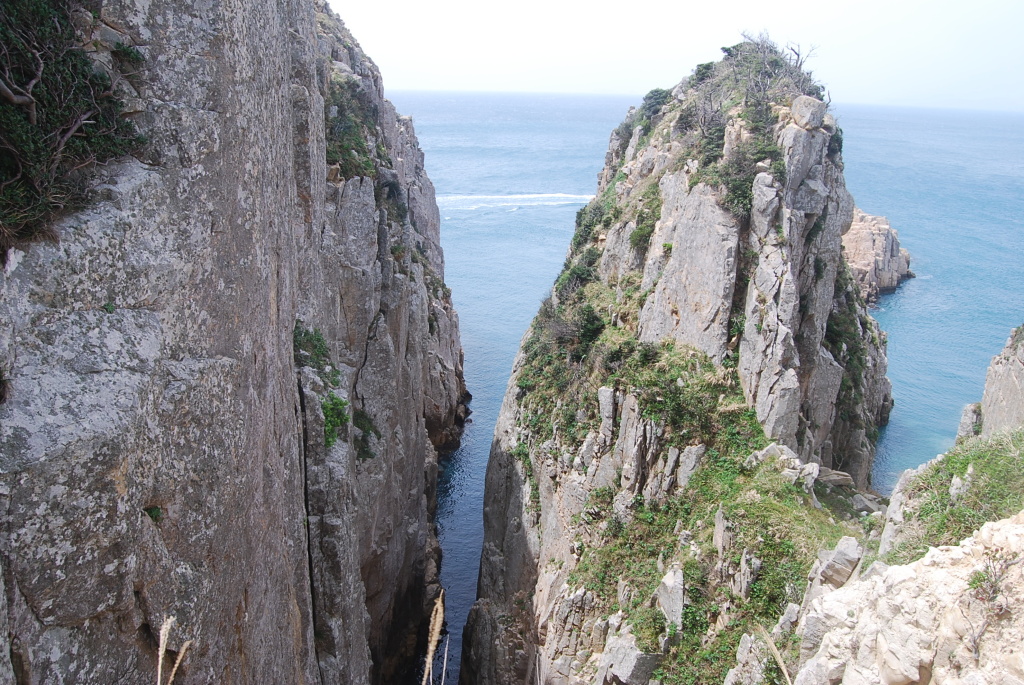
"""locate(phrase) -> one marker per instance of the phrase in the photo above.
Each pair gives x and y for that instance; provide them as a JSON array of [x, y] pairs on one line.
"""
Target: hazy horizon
[[914, 53], [639, 96]]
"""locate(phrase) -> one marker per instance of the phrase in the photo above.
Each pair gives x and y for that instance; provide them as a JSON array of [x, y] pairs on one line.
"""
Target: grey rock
[[872, 249], [808, 113], [1002, 406], [970, 421], [693, 294], [864, 504], [671, 596], [168, 458]]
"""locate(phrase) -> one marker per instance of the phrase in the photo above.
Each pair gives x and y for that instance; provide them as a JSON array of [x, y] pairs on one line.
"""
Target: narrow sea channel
[[511, 170]]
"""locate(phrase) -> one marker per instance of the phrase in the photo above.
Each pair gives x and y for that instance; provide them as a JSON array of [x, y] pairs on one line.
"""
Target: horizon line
[[836, 103]]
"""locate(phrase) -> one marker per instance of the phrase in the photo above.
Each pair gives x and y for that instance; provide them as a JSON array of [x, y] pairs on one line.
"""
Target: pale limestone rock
[[671, 596], [970, 421], [693, 292], [872, 249], [807, 112], [622, 661], [752, 657], [922, 622]]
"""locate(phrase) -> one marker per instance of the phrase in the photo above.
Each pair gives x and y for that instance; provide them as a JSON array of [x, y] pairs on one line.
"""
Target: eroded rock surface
[[1002, 405], [954, 616], [670, 264], [872, 249], [161, 453]]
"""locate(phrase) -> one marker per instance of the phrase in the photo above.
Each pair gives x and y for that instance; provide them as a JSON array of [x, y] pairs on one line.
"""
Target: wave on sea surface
[[471, 202]]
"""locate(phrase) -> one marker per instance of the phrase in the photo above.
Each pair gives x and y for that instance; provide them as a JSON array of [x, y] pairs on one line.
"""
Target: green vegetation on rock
[[844, 339], [350, 116], [364, 422], [335, 416], [59, 114], [647, 215], [991, 474], [310, 349], [586, 337]]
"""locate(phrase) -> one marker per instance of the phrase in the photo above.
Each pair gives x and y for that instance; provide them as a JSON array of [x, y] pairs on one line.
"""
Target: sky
[[937, 53]]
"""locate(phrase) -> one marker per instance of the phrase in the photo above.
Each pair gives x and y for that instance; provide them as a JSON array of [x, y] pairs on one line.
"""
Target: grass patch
[[995, 491]]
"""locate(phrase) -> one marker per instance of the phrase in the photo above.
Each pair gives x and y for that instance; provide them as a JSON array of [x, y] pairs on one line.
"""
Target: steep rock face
[[802, 311], [1002, 405], [872, 249], [704, 297], [162, 455]]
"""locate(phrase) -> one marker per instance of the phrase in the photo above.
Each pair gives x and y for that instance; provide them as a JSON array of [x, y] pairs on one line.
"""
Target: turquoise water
[[952, 184], [511, 171]]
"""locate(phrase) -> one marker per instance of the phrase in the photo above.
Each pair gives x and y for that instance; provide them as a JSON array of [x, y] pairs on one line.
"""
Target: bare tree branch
[[78, 123]]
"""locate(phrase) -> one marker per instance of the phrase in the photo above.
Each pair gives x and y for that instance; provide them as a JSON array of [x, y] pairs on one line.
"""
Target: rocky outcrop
[[811, 360], [954, 616], [705, 306], [997, 417], [872, 249], [162, 453], [1002, 405]]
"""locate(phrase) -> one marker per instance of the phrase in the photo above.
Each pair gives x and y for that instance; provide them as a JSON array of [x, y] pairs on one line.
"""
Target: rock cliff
[[947, 612], [225, 386], [872, 249], [954, 616], [704, 368], [1002, 405]]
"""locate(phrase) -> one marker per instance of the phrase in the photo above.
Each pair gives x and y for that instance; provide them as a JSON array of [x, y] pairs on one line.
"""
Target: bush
[[651, 106], [59, 114], [647, 217], [335, 416], [310, 349], [349, 116], [702, 73]]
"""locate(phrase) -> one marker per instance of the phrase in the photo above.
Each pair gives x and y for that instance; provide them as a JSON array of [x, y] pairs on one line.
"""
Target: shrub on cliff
[[647, 214], [349, 116], [58, 115]]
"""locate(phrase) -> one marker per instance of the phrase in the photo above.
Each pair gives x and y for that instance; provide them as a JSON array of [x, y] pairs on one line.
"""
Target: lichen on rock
[[148, 365]]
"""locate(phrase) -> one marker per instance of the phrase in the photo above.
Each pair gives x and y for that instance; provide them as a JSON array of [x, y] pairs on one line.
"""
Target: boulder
[[807, 112]]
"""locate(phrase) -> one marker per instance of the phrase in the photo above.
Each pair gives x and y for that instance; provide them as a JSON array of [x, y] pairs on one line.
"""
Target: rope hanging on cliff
[[436, 623]]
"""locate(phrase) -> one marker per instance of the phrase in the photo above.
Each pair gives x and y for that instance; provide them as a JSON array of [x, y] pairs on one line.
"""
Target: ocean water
[[512, 170], [952, 184]]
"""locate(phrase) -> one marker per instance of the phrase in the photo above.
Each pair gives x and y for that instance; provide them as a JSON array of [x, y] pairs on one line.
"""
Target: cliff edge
[[704, 370], [226, 384], [947, 610]]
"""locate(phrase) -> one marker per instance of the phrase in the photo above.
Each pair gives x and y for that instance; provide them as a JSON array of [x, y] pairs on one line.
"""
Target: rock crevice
[[164, 450]]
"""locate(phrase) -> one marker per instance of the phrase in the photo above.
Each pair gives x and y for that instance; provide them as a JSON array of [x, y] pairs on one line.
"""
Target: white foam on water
[[471, 202]]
